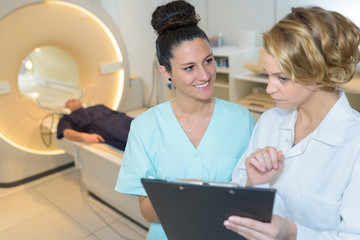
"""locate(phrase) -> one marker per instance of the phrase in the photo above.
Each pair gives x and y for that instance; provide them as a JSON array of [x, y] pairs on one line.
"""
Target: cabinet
[[244, 83], [234, 82], [230, 62]]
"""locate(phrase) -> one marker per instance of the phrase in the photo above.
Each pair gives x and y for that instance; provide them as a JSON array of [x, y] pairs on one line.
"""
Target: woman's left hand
[[279, 228]]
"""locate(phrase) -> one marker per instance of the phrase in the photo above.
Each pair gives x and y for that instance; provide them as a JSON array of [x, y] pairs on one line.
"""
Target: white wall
[[229, 17], [349, 8], [133, 19]]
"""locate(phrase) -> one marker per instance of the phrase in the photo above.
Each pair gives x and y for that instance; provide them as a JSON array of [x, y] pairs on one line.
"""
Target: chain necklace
[[188, 130]]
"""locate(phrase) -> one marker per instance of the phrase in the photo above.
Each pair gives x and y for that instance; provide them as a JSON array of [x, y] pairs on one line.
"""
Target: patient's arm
[[82, 136], [147, 210]]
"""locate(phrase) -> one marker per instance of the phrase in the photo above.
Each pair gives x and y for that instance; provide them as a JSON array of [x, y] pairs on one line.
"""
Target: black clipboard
[[196, 210]]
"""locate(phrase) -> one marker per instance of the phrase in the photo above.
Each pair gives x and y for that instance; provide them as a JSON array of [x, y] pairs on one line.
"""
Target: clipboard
[[197, 210]]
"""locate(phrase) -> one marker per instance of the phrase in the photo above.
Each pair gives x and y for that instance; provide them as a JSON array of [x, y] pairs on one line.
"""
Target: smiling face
[[285, 92], [193, 70]]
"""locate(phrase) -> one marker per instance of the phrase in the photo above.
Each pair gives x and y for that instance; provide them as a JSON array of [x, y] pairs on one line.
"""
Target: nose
[[203, 73], [271, 87]]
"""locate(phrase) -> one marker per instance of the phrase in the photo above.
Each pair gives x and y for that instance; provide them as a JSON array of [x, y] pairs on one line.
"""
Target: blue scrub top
[[157, 147]]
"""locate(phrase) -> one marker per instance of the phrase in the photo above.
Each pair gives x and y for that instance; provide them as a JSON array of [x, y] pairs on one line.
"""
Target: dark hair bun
[[174, 15]]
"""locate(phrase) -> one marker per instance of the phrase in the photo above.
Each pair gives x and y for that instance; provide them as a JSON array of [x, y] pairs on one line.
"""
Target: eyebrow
[[189, 63], [278, 73]]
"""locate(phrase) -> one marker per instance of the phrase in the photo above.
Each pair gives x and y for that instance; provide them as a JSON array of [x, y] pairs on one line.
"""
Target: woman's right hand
[[263, 165]]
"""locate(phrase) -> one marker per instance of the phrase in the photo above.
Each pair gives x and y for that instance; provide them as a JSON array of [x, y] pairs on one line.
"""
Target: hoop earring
[[169, 79]]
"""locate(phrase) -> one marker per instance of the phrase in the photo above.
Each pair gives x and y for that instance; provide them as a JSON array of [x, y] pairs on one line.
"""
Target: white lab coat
[[319, 187]]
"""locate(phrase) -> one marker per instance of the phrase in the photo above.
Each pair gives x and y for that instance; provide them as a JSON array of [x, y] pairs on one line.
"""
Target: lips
[[276, 100]]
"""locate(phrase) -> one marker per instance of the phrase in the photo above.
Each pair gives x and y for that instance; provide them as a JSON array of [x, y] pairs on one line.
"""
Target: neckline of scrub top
[[179, 128]]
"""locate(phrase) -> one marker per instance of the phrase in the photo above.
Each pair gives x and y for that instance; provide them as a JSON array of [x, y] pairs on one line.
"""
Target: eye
[[209, 60], [189, 68], [283, 79]]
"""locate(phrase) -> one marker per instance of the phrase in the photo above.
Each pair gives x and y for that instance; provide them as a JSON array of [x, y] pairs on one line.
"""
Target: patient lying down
[[94, 124]]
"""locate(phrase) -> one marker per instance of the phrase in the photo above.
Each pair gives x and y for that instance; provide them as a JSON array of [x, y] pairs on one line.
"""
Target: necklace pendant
[[187, 130]]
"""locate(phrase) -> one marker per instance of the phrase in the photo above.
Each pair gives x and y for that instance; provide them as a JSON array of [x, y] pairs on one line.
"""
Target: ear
[[164, 72]]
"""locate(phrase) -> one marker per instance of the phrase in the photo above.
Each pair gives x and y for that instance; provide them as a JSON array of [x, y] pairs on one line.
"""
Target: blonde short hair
[[315, 47]]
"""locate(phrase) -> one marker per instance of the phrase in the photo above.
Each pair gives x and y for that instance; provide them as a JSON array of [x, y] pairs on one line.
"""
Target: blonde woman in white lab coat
[[308, 147]]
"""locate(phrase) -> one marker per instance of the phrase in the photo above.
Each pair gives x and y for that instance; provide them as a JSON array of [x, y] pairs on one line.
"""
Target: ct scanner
[[52, 51]]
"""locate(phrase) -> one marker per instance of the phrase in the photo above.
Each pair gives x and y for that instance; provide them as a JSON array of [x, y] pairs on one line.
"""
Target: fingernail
[[232, 218]]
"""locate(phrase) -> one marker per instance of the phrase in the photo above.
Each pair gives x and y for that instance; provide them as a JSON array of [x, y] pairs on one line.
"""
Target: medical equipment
[[52, 51]]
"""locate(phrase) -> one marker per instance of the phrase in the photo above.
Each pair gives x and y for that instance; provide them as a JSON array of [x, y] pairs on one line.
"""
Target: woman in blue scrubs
[[308, 147], [194, 135]]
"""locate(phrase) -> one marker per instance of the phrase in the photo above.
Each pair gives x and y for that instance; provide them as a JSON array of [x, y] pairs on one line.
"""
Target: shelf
[[230, 62], [222, 70], [351, 87], [221, 82], [258, 102], [251, 77], [221, 85]]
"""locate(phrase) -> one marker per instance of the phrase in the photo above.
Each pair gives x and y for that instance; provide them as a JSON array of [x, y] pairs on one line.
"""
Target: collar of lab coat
[[332, 128]]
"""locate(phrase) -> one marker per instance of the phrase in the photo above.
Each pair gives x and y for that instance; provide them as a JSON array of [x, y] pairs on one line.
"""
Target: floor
[[58, 207]]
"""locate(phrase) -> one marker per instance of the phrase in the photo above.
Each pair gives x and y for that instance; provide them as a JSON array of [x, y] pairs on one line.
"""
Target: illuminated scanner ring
[[73, 29]]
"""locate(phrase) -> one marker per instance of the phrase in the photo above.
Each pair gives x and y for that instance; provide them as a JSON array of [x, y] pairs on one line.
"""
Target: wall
[[349, 8], [232, 16], [133, 19], [229, 17]]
